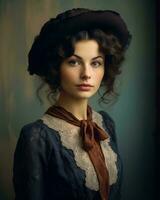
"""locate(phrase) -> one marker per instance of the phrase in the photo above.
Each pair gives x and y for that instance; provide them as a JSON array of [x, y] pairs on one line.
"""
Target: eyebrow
[[91, 59]]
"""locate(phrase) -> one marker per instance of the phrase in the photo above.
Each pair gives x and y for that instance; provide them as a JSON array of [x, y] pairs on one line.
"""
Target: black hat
[[77, 19]]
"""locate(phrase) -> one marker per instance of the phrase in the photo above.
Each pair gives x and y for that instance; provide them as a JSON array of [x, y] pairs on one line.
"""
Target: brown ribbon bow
[[91, 135]]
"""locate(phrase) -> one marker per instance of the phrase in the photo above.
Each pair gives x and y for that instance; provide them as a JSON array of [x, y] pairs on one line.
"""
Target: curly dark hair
[[54, 54]]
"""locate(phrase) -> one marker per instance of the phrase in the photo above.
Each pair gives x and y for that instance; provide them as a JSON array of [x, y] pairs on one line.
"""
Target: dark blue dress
[[49, 163]]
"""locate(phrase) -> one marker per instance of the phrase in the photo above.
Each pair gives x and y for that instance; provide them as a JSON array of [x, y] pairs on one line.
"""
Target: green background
[[133, 113]]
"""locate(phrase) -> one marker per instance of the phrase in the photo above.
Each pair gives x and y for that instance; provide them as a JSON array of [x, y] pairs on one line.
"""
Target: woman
[[71, 151]]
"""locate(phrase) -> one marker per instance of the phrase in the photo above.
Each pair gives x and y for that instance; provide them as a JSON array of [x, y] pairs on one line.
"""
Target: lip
[[85, 85]]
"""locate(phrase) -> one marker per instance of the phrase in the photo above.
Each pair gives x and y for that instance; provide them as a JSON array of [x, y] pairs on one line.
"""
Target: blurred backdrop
[[133, 113]]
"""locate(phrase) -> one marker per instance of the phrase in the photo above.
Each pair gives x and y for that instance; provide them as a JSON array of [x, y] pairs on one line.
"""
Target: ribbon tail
[[87, 135]]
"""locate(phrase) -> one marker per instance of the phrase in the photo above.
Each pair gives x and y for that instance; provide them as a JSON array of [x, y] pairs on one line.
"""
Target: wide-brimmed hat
[[77, 19]]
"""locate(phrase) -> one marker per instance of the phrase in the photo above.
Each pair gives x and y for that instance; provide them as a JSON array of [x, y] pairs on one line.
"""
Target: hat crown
[[72, 13]]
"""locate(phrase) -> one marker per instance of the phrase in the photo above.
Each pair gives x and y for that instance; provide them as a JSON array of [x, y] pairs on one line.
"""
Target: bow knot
[[90, 133]]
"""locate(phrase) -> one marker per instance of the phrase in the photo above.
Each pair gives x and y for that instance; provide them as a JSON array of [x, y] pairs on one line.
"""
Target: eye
[[97, 63], [74, 62]]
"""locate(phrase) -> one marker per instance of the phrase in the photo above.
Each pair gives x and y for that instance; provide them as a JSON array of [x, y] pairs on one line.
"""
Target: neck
[[78, 107]]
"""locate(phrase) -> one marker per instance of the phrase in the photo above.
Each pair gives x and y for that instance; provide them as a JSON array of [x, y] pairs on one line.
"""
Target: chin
[[84, 96], [80, 94]]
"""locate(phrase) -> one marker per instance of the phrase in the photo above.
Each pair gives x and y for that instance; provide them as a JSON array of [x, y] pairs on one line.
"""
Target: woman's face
[[85, 66]]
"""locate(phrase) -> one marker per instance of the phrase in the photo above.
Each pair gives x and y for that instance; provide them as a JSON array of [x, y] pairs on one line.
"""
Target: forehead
[[87, 49]]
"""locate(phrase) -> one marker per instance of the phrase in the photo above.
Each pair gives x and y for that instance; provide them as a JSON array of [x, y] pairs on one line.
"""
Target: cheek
[[99, 76], [67, 75]]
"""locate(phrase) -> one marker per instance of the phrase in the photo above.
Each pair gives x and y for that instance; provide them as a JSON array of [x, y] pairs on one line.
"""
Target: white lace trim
[[70, 138]]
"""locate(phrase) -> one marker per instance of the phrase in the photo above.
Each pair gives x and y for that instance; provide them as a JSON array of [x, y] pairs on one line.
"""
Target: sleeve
[[116, 189], [30, 164]]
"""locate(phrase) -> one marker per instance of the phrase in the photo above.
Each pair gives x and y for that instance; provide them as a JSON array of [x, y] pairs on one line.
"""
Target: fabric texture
[[45, 169], [91, 135]]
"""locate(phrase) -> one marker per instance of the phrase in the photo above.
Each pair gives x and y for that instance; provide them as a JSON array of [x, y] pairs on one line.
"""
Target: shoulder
[[33, 129], [33, 149], [34, 141], [36, 134]]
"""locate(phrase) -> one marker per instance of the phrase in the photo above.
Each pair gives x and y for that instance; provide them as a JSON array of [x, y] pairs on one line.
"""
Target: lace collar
[[71, 139]]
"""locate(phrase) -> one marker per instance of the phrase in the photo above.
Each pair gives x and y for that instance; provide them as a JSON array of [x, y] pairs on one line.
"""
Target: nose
[[86, 72]]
